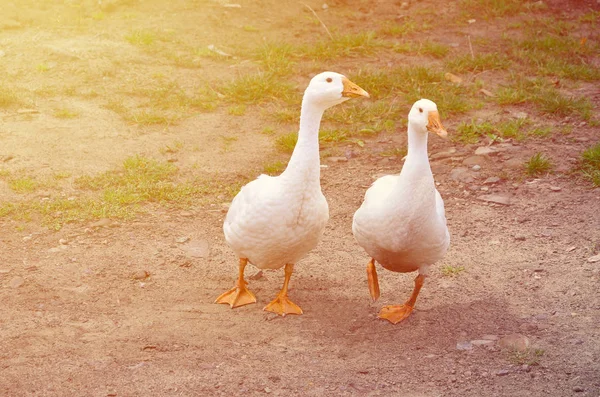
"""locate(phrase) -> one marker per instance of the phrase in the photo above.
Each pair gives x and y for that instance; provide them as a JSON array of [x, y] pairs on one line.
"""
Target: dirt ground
[[79, 317]]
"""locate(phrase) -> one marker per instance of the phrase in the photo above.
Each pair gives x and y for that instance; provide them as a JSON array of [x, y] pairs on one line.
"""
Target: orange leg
[[397, 313], [282, 305], [372, 280], [238, 295]]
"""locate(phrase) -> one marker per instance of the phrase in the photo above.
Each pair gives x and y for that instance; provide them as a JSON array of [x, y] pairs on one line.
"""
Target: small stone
[[325, 6], [571, 249], [198, 249], [525, 367], [482, 342], [514, 163], [490, 337], [578, 389], [2, 53], [443, 155], [404, 5], [182, 240], [495, 198], [16, 282], [140, 275], [470, 21], [555, 188], [54, 250], [484, 151], [464, 345], [461, 174], [474, 160], [491, 180], [337, 159], [267, 390], [453, 78], [476, 167], [502, 372], [63, 241], [582, 139], [593, 259], [487, 92], [257, 276], [27, 111], [515, 342], [27, 238], [520, 237], [104, 222]]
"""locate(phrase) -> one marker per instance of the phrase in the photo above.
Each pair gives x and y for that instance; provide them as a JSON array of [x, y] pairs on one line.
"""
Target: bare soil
[[85, 321]]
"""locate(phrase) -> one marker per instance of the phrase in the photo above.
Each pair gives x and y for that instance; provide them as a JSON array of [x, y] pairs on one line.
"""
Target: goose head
[[328, 89], [424, 117]]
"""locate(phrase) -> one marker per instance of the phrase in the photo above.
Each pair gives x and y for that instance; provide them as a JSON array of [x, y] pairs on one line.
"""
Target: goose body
[[275, 221], [401, 223]]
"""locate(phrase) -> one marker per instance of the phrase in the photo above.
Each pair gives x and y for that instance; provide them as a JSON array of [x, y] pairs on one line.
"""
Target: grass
[[276, 58], [346, 45], [237, 110], [478, 63], [257, 88], [405, 28], [491, 8], [141, 37], [64, 113], [530, 357], [286, 143], [590, 164], [428, 47], [8, 97], [274, 168], [23, 184], [470, 132], [537, 165], [452, 271]]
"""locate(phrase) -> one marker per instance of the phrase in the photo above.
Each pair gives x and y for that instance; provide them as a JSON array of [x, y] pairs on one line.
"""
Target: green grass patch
[[286, 143], [8, 97], [23, 184], [141, 37], [276, 58], [274, 168], [470, 132], [478, 63], [590, 164], [405, 28], [258, 88], [538, 164], [64, 113], [348, 45], [237, 110], [491, 8], [452, 271]]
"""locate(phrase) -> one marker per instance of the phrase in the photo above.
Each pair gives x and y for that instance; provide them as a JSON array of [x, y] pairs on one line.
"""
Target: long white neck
[[416, 166], [305, 163]]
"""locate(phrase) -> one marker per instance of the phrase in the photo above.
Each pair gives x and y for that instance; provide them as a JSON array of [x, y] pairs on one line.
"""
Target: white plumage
[[276, 221], [401, 224]]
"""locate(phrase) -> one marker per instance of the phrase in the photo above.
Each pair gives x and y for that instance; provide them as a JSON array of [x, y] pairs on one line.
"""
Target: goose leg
[[372, 280], [281, 304], [238, 295], [397, 313]]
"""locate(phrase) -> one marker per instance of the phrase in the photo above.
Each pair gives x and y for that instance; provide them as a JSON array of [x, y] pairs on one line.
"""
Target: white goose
[[401, 223], [275, 221]]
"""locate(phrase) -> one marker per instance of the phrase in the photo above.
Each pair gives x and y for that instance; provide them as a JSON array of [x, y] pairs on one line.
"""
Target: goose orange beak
[[352, 90], [435, 124]]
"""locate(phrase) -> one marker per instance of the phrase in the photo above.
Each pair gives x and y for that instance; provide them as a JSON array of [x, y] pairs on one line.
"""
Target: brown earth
[[79, 316]]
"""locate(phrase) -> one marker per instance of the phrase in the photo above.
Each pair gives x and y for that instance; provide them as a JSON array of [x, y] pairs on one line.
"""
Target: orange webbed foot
[[395, 313], [282, 305], [237, 296]]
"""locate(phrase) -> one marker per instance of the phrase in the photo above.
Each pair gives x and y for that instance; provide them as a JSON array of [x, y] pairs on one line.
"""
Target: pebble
[[571, 249], [337, 159], [502, 372], [476, 167], [63, 241], [555, 188], [453, 78], [520, 237], [27, 238], [464, 345], [325, 6], [2, 53], [140, 275], [593, 259], [404, 5], [578, 389], [461, 174], [104, 222], [516, 342], [16, 282], [183, 239], [482, 342], [443, 155], [473, 160], [484, 150], [198, 249], [496, 198], [513, 163], [491, 180]]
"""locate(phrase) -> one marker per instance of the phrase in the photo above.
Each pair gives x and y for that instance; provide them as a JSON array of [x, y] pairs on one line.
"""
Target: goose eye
[[329, 79], [420, 110]]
